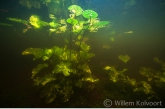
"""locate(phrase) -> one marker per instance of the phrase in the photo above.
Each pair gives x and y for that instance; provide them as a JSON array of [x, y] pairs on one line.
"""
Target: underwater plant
[[114, 74], [30, 4], [5, 24], [149, 75], [157, 77], [68, 73], [124, 58], [64, 68], [138, 86], [56, 7]]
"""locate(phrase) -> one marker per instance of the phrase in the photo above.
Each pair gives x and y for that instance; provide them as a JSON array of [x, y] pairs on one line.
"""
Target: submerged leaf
[[146, 88], [124, 58], [101, 24], [38, 68], [112, 39], [131, 81], [5, 24], [114, 74], [57, 50], [35, 21], [83, 46], [112, 32], [18, 20], [66, 91], [62, 68], [86, 56], [47, 54], [50, 98], [37, 52], [37, 81], [106, 46], [47, 79], [107, 67], [85, 68], [90, 79], [53, 24]]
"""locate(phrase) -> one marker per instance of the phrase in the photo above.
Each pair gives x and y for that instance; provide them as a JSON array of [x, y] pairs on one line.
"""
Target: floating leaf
[[124, 58], [89, 14], [72, 21], [77, 10]]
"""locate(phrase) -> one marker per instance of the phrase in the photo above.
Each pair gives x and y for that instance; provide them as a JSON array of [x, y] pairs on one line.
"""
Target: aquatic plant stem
[[70, 45]]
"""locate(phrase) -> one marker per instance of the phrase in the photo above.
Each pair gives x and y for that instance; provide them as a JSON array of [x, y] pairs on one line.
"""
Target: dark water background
[[146, 19]]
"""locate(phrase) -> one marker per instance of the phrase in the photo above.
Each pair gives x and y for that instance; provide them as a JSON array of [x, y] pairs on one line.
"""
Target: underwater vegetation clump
[[64, 68], [67, 72], [158, 77], [150, 77], [114, 74]]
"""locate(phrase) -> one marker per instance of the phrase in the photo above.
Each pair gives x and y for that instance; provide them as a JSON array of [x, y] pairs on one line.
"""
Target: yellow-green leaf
[[38, 68]]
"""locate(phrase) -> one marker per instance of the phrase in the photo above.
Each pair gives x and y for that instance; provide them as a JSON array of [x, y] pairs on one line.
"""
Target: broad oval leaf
[[89, 14]]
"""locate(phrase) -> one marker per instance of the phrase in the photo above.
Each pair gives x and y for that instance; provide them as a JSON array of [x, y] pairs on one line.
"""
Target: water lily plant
[[65, 68]]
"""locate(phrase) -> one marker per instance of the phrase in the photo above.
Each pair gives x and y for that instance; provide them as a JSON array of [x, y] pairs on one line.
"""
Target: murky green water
[[128, 67]]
